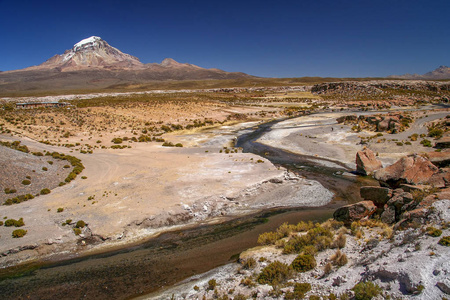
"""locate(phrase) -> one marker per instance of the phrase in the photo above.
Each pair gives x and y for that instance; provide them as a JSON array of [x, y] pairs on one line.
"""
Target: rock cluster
[[376, 87], [409, 187], [392, 123]]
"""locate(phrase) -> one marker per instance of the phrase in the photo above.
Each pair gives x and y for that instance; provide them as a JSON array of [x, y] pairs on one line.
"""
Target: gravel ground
[[15, 166]]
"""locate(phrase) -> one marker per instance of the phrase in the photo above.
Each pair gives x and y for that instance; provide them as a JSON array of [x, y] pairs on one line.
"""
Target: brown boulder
[[440, 180], [388, 215], [367, 162], [440, 159], [378, 195], [411, 169], [354, 212], [444, 194]]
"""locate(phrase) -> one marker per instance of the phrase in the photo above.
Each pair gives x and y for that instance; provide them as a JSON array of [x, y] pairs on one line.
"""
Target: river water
[[174, 256]]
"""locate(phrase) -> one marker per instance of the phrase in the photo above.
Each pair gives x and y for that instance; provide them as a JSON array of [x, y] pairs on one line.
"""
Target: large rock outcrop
[[366, 162], [378, 195], [413, 169]]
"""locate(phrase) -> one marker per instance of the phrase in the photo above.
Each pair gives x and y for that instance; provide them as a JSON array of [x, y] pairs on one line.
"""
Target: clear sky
[[264, 38]]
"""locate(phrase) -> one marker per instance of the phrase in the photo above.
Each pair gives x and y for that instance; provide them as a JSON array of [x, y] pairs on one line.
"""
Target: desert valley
[[125, 180]]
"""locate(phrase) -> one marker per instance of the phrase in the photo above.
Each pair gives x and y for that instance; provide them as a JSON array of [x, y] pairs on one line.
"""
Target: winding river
[[173, 256]]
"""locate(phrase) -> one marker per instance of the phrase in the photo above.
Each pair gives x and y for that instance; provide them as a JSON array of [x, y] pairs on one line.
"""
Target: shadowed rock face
[[354, 212], [413, 169]]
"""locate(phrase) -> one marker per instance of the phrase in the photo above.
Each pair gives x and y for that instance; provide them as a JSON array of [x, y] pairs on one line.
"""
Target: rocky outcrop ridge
[[392, 123]]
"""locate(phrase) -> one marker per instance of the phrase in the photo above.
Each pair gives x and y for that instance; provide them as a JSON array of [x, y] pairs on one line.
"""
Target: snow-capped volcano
[[93, 64], [92, 52]]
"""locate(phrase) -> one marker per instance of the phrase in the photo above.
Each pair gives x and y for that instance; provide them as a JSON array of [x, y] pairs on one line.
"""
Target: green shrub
[[426, 143], [60, 209], [18, 233], [445, 241], [414, 137], [300, 289], [45, 191], [80, 224], [117, 140], [366, 290], [15, 223], [179, 145], [26, 182], [44, 169], [212, 284], [77, 231], [10, 191], [268, 238], [431, 231], [303, 263], [435, 132], [274, 273]]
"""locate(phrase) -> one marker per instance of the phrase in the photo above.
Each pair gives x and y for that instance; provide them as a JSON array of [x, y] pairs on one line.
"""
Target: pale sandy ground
[[148, 188]]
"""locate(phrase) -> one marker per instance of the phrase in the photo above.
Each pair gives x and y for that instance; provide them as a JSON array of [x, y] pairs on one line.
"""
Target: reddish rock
[[411, 169], [444, 194], [367, 162], [411, 188], [440, 159], [378, 195], [440, 180], [354, 212]]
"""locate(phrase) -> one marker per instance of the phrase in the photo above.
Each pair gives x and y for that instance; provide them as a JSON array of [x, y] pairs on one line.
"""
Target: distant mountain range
[[93, 63], [443, 72]]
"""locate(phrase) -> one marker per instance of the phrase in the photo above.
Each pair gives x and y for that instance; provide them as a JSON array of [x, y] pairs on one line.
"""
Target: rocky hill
[[443, 72]]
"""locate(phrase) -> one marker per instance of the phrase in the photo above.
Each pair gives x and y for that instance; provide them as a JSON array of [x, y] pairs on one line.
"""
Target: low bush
[[80, 224], [339, 258], [10, 191], [77, 231], [268, 238], [445, 241], [431, 231], [249, 263], [426, 143], [26, 182], [117, 140], [18, 233], [304, 263], [300, 289], [60, 209], [366, 290], [339, 241], [45, 191], [15, 223], [275, 273], [212, 284]]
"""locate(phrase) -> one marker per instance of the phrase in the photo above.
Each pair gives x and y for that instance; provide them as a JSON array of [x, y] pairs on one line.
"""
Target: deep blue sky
[[265, 38]]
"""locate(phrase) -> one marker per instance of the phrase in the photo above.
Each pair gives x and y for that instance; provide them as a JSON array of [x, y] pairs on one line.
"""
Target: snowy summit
[[89, 42]]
